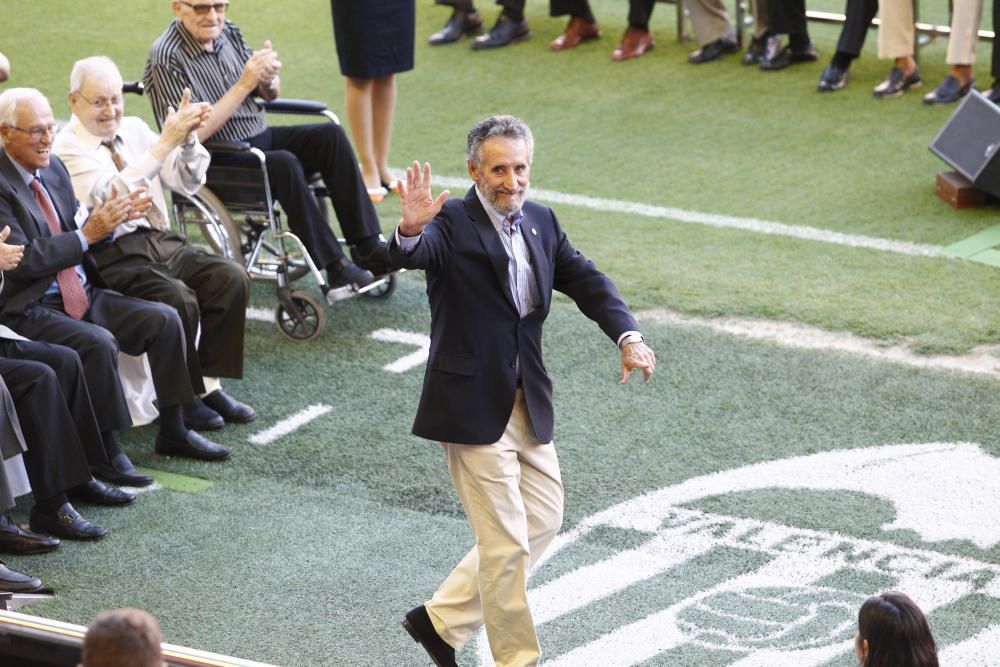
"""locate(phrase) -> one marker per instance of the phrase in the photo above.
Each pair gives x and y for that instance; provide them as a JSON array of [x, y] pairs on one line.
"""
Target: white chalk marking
[[983, 360], [721, 221], [141, 489], [286, 426], [403, 364], [980, 650], [260, 314]]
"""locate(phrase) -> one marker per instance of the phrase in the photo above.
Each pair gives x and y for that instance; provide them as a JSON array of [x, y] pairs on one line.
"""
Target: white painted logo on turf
[[403, 364], [782, 613]]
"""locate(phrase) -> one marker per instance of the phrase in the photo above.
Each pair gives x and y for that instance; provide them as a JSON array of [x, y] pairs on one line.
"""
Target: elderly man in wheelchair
[[203, 52]]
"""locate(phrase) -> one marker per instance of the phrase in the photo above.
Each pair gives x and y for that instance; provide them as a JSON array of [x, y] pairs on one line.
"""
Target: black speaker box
[[970, 141]]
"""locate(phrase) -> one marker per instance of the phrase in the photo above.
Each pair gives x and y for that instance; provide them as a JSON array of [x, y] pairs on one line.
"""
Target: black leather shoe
[[898, 83], [788, 56], [120, 472], [993, 92], [343, 273], [503, 33], [201, 417], [755, 51], [713, 51], [15, 582], [419, 625], [833, 78], [193, 446], [16, 539], [377, 261], [950, 90], [458, 26], [66, 523], [229, 408], [99, 493]]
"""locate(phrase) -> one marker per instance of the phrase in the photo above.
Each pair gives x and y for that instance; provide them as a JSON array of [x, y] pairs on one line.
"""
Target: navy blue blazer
[[477, 334], [44, 254]]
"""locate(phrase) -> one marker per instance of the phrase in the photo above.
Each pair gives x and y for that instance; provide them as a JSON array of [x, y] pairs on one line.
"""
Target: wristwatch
[[632, 338]]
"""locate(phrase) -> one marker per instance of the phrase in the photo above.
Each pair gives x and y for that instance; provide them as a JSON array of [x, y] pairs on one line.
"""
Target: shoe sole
[[899, 92], [477, 46], [30, 552], [416, 637]]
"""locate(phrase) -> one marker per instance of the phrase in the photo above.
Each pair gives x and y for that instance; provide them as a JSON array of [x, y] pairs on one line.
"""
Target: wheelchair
[[238, 219]]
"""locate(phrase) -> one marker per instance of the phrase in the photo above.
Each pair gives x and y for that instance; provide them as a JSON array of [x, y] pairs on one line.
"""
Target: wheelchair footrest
[[336, 294]]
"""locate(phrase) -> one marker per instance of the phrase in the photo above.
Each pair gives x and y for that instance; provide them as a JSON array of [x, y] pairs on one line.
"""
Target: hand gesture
[[10, 255], [107, 215], [637, 355], [261, 68], [418, 204], [188, 118]]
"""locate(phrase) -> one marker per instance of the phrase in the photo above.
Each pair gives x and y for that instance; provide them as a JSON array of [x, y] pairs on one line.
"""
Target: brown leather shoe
[[635, 42], [577, 31]]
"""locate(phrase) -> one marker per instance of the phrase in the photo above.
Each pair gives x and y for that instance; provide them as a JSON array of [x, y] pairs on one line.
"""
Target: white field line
[[983, 360], [260, 314], [713, 220], [142, 489], [403, 364], [286, 426]]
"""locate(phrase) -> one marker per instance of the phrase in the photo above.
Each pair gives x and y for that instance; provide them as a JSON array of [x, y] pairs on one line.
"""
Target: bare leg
[[383, 106], [359, 94]]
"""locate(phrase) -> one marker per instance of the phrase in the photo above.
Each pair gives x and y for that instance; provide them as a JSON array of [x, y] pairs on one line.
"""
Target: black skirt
[[374, 37]]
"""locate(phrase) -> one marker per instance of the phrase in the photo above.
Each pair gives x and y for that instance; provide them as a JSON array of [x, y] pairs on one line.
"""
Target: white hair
[[92, 66], [9, 99]]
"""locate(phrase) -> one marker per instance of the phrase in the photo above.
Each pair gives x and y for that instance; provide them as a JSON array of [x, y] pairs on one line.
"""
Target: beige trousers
[[710, 20], [965, 17], [896, 33], [513, 497]]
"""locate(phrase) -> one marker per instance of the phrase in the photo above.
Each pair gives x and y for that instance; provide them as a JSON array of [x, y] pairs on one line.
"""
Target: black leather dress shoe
[[755, 52], [993, 92], [99, 493], [229, 408], [419, 625], [458, 26], [787, 56], [832, 79], [950, 90], [898, 83], [66, 523], [121, 472], [713, 51], [15, 582], [503, 33], [201, 417], [376, 261], [193, 446], [16, 539]]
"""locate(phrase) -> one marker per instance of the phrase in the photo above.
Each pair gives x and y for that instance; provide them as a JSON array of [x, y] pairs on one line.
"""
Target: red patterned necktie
[[74, 297]]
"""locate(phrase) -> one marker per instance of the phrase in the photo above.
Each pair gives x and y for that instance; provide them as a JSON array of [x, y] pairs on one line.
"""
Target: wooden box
[[958, 191]]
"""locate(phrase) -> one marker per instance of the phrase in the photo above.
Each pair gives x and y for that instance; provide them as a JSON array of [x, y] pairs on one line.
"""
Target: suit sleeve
[[43, 255], [434, 247]]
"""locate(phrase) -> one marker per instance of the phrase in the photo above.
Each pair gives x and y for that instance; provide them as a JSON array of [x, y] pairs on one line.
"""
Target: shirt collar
[[25, 174], [77, 128], [496, 217]]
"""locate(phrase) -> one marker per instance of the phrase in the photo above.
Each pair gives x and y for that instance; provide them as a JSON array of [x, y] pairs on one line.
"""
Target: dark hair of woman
[[893, 632]]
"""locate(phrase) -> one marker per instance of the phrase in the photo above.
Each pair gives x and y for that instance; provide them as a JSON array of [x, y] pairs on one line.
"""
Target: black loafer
[[950, 90], [713, 51], [419, 625], [833, 78], [458, 26], [66, 523], [120, 472], [229, 408], [376, 261], [15, 582], [993, 92], [199, 416], [788, 56], [503, 33], [16, 539], [99, 493], [193, 446], [755, 51], [898, 83]]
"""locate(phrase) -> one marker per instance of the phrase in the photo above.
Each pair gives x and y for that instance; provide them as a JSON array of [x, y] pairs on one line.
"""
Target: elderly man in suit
[[56, 294], [492, 261]]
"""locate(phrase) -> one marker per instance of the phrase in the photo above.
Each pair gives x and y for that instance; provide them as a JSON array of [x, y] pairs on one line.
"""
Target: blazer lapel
[[491, 242], [539, 263], [25, 195]]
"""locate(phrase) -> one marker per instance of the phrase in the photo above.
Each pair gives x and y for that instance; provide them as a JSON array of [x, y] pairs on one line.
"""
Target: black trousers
[[859, 15], [995, 66], [204, 289], [787, 17], [296, 151], [516, 5], [639, 12], [56, 414], [122, 322]]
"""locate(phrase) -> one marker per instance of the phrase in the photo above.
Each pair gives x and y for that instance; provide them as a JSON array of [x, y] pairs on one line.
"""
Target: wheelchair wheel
[[220, 232], [384, 290], [306, 322]]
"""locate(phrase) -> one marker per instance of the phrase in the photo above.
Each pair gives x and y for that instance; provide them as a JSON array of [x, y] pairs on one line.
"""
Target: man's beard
[[502, 199]]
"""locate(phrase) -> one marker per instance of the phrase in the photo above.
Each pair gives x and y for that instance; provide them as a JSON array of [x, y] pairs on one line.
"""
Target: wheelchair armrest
[[228, 146], [134, 87], [288, 105]]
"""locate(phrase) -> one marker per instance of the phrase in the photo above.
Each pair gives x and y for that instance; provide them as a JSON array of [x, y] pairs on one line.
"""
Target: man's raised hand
[[10, 255], [418, 203]]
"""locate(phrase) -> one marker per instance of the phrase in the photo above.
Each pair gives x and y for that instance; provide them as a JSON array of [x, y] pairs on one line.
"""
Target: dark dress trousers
[[132, 325], [478, 339]]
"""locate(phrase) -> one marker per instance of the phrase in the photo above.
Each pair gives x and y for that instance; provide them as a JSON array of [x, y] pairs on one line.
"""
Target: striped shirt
[[523, 286], [177, 61]]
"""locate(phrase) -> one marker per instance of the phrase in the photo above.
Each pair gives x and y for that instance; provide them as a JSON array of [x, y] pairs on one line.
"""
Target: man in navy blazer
[[492, 261], [41, 298]]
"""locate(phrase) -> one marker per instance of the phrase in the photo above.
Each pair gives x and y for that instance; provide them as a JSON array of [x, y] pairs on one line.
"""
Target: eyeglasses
[[202, 10], [102, 102], [36, 132]]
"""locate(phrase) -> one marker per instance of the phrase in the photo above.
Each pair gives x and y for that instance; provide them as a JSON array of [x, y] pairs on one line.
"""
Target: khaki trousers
[[513, 497], [896, 32], [965, 18]]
